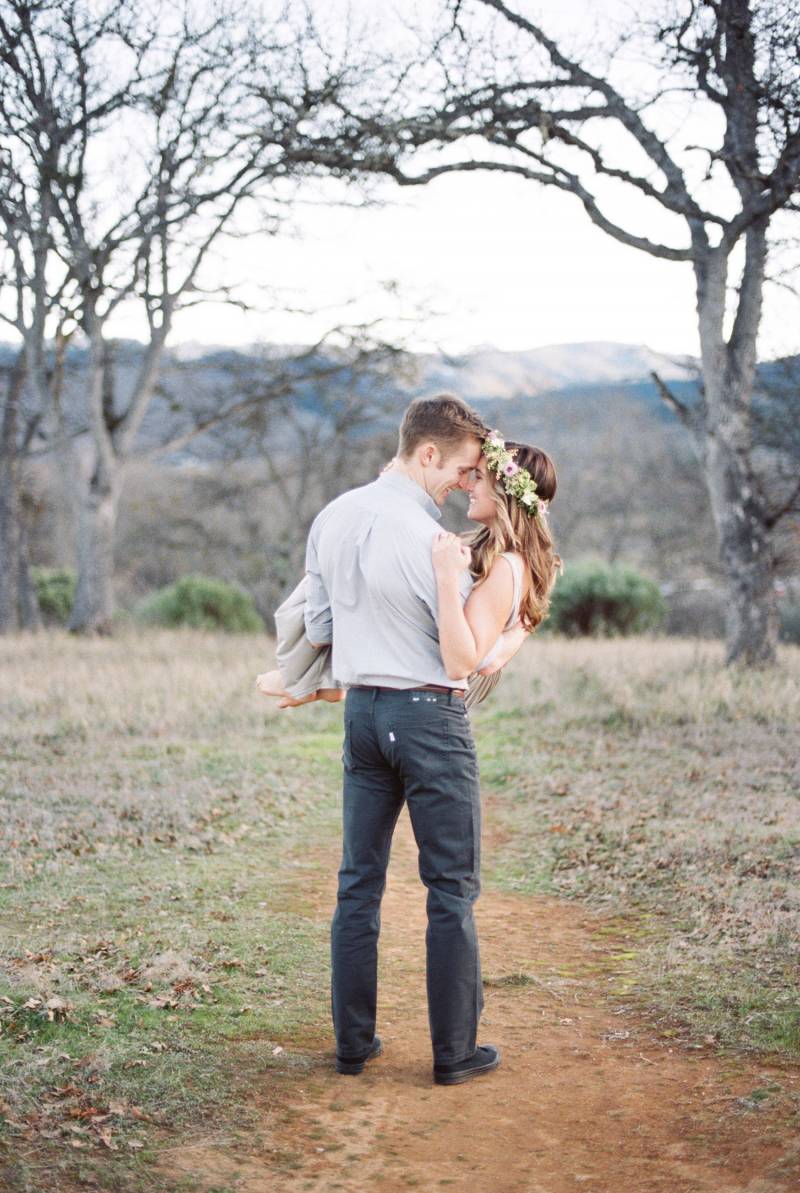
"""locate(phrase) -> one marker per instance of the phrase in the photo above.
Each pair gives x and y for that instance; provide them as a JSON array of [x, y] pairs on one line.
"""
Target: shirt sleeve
[[413, 555], [318, 616]]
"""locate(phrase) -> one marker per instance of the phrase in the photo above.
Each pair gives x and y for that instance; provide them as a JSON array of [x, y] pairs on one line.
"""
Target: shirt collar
[[405, 485]]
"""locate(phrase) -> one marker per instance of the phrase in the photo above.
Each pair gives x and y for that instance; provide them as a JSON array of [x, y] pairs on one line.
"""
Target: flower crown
[[517, 482]]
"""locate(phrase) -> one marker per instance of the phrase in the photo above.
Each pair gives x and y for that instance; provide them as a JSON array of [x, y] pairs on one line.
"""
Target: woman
[[513, 562], [512, 558]]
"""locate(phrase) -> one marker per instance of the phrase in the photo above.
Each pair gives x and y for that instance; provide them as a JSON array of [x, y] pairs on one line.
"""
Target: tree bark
[[741, 519], [93, 608], [30, 617], [18, 605], [9, 516], [745, 549]]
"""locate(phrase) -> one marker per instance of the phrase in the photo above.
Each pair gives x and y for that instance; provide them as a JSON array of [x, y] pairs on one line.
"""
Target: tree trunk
[[18, 606], [746, 555], [30, 617], [9, 537], [745, 545], [93, 609]]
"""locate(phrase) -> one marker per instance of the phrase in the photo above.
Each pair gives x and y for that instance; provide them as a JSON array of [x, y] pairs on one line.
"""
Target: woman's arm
[[510, 642], [467, 632]]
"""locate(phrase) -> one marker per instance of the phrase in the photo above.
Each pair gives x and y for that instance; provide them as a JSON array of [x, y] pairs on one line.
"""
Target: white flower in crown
[[516, 481]]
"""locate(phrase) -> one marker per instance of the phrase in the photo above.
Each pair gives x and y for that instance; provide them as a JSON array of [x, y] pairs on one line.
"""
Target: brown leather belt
[[430, 687], [435, 687]]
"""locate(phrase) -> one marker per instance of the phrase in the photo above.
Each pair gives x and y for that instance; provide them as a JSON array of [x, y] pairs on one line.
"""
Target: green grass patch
[[160, 959]]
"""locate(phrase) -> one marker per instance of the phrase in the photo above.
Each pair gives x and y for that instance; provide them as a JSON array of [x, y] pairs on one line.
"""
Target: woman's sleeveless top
[[481, 685], [516, 571]]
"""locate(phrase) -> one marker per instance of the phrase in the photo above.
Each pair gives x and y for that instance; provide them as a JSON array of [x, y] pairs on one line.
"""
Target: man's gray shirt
[[371, 588]]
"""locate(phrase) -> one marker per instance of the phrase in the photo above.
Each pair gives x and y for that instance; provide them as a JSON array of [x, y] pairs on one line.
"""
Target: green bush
[[202, 603], [596, 598], [55, 592]]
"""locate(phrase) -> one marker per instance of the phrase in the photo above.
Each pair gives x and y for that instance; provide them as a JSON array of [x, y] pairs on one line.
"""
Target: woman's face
[[482, 507]]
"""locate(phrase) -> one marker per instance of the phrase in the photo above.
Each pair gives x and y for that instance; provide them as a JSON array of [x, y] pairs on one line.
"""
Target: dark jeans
[[417, 747]]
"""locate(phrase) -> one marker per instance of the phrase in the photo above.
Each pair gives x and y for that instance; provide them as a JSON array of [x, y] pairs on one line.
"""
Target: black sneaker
[[483, 1060], [352, 1067]]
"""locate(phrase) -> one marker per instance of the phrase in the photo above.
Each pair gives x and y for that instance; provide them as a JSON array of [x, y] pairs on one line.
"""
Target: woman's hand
[[450, 555]]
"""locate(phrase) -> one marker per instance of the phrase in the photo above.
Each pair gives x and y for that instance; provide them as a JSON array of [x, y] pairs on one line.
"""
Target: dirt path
[[588, 1096]]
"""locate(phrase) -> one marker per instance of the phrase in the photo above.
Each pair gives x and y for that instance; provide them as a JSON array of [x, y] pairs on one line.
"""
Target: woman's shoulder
[[518, 567], [513, 559]]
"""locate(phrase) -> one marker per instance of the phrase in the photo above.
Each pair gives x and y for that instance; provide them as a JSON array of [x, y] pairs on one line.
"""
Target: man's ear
[[428, 454]]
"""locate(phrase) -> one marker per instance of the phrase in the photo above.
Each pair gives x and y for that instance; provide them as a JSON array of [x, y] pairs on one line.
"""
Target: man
[[371, 592]]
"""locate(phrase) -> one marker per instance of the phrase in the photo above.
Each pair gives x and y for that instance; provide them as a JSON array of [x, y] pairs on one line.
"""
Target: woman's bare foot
[[270, 683], [331, 695], [287, 701]]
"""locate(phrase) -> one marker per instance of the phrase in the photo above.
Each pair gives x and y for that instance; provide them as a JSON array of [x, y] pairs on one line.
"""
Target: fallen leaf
[[85, 1111], [58, 1008]]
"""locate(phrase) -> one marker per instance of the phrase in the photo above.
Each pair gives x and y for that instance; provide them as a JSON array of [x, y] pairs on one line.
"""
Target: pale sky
[[495, 259], [477, 259]]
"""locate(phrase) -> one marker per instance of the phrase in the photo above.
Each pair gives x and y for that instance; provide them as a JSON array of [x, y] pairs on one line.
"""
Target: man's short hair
[[444, 420]]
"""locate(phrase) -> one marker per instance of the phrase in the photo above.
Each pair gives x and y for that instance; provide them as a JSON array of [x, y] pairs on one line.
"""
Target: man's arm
[[318, 616]]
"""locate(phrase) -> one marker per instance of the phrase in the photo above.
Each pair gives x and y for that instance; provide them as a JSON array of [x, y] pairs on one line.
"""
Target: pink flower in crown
[[510, 468]]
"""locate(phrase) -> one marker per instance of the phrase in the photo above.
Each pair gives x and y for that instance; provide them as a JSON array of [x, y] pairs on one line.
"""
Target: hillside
[[488, 374], [586, 381]]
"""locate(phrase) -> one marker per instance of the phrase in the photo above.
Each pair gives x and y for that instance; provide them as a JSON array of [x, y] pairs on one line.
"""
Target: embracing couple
[[406, 618]]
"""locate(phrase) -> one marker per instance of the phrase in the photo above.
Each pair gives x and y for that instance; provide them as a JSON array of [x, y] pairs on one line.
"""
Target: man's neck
[[409, 468]]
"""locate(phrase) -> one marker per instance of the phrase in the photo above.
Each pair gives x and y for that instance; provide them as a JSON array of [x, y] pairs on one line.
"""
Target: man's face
[[456, 471]]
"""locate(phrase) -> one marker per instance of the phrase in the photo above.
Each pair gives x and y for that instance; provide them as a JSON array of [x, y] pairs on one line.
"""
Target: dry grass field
[[651, 781], [157, 949]]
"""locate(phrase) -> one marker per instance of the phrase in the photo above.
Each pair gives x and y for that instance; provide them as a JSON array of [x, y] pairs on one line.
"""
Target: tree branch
[[629, 118], [562, 180], [692, 417]]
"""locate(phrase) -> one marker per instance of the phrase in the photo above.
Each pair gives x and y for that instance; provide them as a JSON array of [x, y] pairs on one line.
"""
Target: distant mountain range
[[484, 373], [579, 386], [488, 374]]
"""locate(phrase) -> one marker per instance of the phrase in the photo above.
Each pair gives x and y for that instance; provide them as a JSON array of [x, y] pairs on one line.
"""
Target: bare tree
[[18, 423], [133, 144], [776, 432], [561, 118], [306, 429]]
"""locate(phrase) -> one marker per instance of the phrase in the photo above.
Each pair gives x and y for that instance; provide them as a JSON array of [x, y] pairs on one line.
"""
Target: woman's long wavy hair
[[515, 530]]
